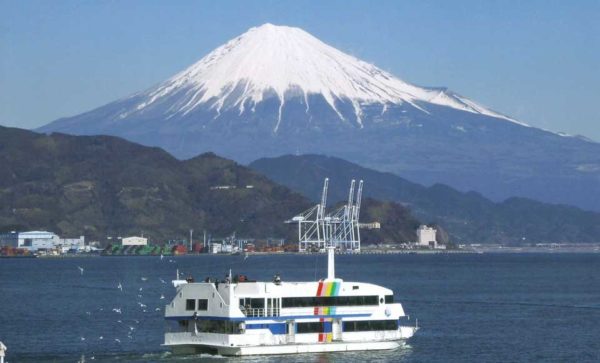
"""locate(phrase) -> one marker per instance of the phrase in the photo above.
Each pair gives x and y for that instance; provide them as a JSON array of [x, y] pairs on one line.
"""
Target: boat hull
[[290, 348]]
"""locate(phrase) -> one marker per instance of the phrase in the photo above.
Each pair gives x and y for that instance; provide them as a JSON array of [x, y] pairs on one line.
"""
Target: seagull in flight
[[120, 287], [117, 310], [80, 269]]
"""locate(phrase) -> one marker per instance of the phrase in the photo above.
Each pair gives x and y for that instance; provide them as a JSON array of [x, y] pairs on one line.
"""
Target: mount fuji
[[278, 90]]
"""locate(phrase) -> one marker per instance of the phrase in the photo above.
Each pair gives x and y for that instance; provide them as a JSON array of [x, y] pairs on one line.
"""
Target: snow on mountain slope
[[277, 90], [274, 60]]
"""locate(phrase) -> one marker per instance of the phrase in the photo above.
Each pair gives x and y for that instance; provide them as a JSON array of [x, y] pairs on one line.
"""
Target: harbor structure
[[341, 227]]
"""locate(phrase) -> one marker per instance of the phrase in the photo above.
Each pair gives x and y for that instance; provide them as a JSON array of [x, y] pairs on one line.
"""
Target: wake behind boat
[[238, 316]]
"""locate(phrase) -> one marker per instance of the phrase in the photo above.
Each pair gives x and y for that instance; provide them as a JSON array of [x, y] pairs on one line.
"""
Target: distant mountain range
[[101, 186], [278, 90], [467, 217]]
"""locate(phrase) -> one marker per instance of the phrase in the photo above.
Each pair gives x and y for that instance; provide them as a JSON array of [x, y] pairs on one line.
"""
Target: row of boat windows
[[370, 325], [190, 304], [310, 301], [298, 302], [231, 327], [348, 326]]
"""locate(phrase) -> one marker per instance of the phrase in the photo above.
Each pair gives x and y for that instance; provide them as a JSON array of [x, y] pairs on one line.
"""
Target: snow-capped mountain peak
[[272, 60]]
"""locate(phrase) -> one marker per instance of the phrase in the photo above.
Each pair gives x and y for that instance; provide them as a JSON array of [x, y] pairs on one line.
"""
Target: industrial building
[[41, 240], [426, 236]]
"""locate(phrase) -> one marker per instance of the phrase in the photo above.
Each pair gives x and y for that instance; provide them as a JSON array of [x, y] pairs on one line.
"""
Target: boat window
[[355, 287], [218, 326], [203, 304], [370, 325], [256, 303], [316, 327], [381, 300], [190, 304], [389, 299]]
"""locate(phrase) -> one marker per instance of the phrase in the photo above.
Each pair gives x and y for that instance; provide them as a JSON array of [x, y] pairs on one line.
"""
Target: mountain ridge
[[101, 186], [467, 217]]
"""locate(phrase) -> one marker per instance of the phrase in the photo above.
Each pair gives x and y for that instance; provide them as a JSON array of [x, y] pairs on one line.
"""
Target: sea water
[[470, 307]]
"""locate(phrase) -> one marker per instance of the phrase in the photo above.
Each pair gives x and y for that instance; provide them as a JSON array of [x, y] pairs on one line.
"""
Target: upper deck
[[252, 300]]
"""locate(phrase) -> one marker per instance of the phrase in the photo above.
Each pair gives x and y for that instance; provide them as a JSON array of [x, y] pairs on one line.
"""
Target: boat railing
[[260, 312]]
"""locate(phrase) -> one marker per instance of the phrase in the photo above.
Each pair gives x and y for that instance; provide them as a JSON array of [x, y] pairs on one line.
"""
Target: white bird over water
[[80, 269], [120, 287], [161, 256], [162, 296], [144, 278], [117, 340], [117, 310], [163, 281]]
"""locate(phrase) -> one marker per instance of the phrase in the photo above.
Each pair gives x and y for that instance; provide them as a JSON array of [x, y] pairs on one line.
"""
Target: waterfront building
[[37, 240], [134, 241], [70, 244], [426, 236]]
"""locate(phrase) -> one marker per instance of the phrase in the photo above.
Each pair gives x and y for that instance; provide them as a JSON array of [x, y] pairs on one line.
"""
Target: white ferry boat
[[241, 317]]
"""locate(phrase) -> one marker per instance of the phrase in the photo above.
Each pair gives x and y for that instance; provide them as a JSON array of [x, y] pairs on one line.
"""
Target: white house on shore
[[134, 241]]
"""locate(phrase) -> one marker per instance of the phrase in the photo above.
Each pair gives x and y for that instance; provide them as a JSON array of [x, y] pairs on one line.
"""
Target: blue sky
[[537, 61]]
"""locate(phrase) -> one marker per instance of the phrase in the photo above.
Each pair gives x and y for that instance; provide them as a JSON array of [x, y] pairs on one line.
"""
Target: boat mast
[[331, 262]]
